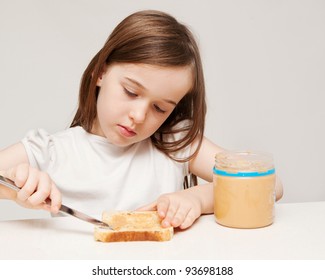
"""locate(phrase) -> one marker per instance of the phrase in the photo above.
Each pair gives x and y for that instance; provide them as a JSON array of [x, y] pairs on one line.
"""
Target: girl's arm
[[36, 186], [13, 156], [182, 208], [202, 164]]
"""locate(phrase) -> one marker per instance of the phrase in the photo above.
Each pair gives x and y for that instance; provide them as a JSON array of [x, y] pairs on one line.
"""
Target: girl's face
[[135, 99]]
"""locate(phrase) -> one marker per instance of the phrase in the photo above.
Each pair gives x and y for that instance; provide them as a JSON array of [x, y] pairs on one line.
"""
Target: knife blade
[[65, 209]]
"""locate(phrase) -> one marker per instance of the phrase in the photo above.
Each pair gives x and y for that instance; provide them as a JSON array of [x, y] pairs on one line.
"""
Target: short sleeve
[[38, 144]]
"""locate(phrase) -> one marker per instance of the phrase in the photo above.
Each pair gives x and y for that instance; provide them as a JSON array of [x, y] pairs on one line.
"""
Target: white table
[[297, 233]]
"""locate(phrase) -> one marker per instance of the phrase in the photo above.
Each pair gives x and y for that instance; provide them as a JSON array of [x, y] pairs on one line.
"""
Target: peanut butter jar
[[244, 189]]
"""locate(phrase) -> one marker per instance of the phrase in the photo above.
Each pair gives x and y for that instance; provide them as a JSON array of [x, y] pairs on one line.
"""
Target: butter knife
[[65, 209]]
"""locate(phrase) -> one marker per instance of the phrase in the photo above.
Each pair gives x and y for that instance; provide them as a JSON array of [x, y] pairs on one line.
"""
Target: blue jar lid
[[243, 173]]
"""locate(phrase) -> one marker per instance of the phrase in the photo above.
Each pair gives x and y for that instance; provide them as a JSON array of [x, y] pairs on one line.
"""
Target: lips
[[126, 131]]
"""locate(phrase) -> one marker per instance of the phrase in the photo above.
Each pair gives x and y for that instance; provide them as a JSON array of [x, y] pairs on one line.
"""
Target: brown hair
[[155, 38]]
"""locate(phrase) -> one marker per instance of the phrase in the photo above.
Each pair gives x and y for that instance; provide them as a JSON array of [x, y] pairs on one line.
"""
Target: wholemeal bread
[[133, 226]]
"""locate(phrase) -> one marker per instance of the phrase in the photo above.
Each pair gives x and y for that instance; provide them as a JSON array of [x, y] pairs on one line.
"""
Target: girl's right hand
[[36, 188]]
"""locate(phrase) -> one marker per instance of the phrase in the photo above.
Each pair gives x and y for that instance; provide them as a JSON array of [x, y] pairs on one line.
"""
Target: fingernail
[[165, 224], [161, 214]]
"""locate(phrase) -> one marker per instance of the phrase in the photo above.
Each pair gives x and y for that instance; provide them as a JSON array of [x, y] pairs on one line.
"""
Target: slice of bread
[[133, 226]]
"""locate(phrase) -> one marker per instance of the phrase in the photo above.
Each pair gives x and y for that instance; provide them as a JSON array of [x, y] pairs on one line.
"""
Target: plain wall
[[264, 66]]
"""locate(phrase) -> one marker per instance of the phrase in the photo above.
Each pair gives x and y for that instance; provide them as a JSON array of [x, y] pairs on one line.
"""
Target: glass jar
[[244, 189]]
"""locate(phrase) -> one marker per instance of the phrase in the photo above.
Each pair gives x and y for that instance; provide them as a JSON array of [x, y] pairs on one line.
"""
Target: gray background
[[264, 66]]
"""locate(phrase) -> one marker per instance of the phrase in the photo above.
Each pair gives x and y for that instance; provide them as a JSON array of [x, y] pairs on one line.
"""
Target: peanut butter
[[244, 189]]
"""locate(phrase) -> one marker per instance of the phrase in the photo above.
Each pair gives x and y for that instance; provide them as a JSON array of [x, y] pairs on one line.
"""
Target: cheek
[[154, 122], [107, 104], [104, 109]]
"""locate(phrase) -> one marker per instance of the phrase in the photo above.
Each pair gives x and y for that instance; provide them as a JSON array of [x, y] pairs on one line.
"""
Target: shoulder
[[42, 146], [70, 132], [42, 137]]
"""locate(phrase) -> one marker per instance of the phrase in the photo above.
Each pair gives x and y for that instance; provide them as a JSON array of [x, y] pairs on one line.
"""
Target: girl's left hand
[[179, 209]]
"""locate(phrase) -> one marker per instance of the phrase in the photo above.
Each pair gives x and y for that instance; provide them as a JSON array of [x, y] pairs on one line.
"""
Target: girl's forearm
[[205, 195]]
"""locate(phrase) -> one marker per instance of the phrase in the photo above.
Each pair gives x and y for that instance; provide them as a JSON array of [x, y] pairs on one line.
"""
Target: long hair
[[155, 38]]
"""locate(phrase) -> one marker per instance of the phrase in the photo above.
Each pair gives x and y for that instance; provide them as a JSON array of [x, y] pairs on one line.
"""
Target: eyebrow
[[145, 89]]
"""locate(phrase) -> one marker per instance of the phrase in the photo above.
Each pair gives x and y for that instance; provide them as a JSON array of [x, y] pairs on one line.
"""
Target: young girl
[[137, 132]]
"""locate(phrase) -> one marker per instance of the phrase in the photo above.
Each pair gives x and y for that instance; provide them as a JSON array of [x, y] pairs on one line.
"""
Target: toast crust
[[133, 226]]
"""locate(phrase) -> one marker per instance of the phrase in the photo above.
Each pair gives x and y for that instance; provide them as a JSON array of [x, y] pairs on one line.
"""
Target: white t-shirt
[[94, 175]]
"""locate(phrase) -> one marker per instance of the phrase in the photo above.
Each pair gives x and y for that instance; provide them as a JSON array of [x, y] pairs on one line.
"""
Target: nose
[[138, 112]]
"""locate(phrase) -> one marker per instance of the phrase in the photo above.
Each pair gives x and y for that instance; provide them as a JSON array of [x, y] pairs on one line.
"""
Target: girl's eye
[[129, 93], [159, 110]]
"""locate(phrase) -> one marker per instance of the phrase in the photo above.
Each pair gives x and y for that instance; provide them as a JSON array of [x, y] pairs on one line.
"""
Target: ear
[[100, 77], [99, 80]]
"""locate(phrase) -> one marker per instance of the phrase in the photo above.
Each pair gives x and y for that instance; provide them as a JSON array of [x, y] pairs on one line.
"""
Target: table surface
[[297, 233]]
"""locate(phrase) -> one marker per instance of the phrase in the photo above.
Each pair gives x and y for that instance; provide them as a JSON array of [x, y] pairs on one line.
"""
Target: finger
[[170, 213], [28, 205], [18, 174], [30, 185], [189, 219], [180, 216], [9, 173], [56, 199], [43, 189], [149, 207], [163, 204]]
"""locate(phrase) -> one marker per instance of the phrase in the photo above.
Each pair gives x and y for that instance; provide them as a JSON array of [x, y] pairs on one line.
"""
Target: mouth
[[126, 131]]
